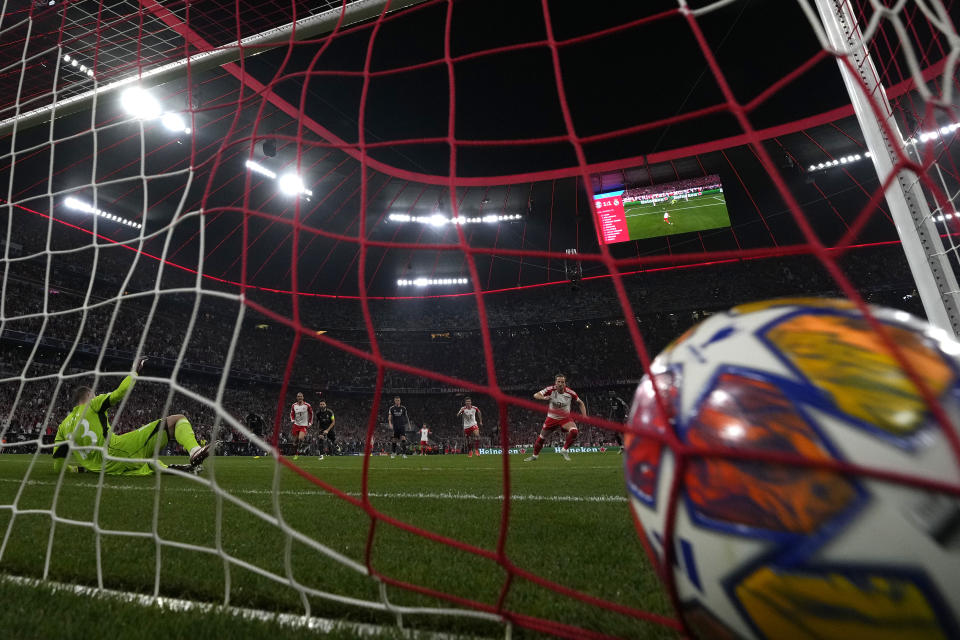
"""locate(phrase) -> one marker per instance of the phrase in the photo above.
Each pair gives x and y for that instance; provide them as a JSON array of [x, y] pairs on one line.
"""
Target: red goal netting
[[351, 196]]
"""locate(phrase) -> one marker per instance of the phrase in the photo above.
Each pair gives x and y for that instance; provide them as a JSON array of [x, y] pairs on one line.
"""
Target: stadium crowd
[[700, 182], [55, 324]]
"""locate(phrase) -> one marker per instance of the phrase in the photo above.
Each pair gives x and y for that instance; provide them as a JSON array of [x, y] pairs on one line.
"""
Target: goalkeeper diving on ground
[[85, 433]]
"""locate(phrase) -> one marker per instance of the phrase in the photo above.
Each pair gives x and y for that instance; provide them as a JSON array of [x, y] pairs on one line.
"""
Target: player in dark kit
[[398, 419], [325, 421], [257, 426], [617, 412]]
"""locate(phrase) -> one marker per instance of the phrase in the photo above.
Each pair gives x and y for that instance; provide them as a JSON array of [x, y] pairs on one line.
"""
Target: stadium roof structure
[[361, 109]]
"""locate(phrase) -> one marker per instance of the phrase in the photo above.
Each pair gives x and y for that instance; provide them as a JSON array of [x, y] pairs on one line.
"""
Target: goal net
[[367, 200]]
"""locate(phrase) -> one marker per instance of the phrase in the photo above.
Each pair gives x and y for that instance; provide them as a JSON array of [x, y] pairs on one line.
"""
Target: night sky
[[625, 68]]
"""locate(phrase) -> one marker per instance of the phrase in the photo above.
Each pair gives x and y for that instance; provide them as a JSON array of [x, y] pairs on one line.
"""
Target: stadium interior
[[388, 207]]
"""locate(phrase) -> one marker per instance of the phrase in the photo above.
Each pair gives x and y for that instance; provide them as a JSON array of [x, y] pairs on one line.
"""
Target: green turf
[[696, 214], [41, 611], [587, 545]]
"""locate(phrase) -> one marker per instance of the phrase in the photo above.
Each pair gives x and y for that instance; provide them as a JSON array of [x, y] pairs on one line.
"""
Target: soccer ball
[[775, 549]]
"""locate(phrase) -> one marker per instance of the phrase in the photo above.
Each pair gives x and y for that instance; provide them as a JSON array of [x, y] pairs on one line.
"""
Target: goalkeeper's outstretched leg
[[145, 441], [85, 433], [179, 428]]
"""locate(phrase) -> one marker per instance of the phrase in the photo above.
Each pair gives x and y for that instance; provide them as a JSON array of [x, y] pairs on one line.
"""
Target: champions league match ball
[[776, 550]]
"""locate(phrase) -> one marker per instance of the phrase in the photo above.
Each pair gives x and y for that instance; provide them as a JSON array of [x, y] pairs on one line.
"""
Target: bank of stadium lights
[[439, 220], [946, 216], [143, 106], [73, 62], [80, 205], [922, 138], [426, 282], [256, 167], [927, 136], [289, 183], [836, 162]]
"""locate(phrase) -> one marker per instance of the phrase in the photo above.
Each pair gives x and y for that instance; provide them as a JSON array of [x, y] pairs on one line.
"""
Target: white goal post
[[931, 268]]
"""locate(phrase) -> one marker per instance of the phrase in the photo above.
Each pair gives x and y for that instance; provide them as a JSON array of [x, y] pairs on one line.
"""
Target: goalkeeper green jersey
[[87, 425]]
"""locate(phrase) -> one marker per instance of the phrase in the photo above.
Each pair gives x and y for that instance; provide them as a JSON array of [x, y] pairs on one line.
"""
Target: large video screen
[[695, 204]]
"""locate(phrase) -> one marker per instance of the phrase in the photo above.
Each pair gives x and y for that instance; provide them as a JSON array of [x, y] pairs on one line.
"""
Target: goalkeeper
[[87, 425]]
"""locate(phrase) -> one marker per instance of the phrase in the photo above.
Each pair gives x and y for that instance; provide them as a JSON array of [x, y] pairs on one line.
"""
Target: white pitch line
[[324, 625], [402, 495]]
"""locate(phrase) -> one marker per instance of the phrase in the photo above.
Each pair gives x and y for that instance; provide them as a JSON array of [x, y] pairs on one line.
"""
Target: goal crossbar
[[303, 29]]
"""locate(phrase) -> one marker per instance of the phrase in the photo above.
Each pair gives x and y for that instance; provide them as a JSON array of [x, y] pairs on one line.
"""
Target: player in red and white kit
[[301, 417], [561, 397], [666, 217], [424, 439], [472, 421]]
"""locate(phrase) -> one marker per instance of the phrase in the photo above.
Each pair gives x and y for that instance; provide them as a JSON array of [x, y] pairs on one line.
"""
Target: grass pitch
[[568, 522], [696, 214]]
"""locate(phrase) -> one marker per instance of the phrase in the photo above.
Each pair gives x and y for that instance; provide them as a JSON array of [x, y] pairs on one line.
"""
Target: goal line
[[179, 605]]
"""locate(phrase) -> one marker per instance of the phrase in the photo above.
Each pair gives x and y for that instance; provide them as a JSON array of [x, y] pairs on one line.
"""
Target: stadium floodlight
[[74, 63], [424, 282], [66, 57], [256, 167], [291, 184], [79, 205], [439, 220], [140, 104], [73, 203], [848, 159], [174, 122]]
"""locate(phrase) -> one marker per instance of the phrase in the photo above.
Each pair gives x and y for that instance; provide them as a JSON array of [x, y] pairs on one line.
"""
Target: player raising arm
[[561, 397], [472, 421], [301, 417], [86, 429], [398, 419]]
